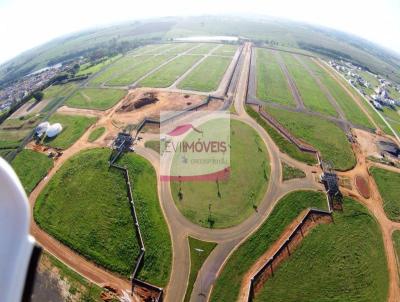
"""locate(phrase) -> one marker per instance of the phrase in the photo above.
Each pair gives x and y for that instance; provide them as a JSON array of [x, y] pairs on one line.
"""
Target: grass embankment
[[73, 128], [96, 133], [283, 144], [289, 172], [271, 82], [31, 167], [388, 185], [199, 251], [228, 283], [95, 98], [324, 135], [239, 195], [341, 261], [312, 95], [170, 72], [85, 206], [206, 76], [350, 108]]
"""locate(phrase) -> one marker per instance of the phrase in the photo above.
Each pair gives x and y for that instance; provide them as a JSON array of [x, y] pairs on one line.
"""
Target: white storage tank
[[54, 130], [42, 128]]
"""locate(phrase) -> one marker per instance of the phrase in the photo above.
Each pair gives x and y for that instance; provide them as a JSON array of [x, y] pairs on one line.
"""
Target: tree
[[38, 95]]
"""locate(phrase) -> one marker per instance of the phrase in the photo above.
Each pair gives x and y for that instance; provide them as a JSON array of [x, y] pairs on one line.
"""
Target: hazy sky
[[28, 23]]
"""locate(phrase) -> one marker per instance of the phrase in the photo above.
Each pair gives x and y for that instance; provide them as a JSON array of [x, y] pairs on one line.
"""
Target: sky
[[29, 23]]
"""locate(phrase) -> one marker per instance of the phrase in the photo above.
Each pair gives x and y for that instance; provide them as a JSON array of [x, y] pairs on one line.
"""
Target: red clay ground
[[362, 186]]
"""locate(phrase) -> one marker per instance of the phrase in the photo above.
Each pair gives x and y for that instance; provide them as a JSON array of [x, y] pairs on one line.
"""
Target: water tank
[[42, 128], [53, 130]]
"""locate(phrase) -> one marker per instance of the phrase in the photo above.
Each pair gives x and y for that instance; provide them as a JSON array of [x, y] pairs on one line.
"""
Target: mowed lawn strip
[[137, 71], [227, 285], [226, 50], [95, 98], [31, 167], [396, 243], [312, 95], [341, 261], [199, 251], [240, 194], [97, 67], [283, 144], [388, 183], [203, 49], [206, 76], [73, 128], [323, 135], [85, 206], [271, 82], [350, 108], [170, 72]]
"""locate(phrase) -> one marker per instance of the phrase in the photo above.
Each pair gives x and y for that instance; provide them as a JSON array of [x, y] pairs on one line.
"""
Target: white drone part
[[18, 253]]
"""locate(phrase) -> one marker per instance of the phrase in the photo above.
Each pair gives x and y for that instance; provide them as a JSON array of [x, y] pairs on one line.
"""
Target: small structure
[[123, 142], [41, 129], [330, 181], [54, 130]]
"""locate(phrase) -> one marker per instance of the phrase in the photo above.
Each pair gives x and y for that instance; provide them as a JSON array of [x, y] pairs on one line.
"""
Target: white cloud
[[25, 23]]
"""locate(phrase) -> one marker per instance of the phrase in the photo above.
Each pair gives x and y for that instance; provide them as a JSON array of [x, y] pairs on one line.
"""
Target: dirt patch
[[362, 186], [147, 99]]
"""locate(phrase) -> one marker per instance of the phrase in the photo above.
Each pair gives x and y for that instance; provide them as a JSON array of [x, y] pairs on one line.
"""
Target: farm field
[[227, 286], [283, 144], [199, 251], [85, 206], [73, 128], [226, 50], [135, 72], [206, 76], [91, 69], [31, 167], [240, 194], [95, 98], [203, 49], [271, 82], [289, 172], [350, 108], [324, 135], [313, 97], [170, 72], [337, 268], [96, 133], [388, 186]]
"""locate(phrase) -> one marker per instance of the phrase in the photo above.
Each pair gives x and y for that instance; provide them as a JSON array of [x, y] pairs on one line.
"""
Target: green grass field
[[199, 251], [341, 261], [388, 185], [271, 82], [283, 144], [154, 145], [85, 206], [169, 73], [10, 139], [313, 97], [139, 69], [203, 49], [350, 108], [178, 48], [95, 98], [91, 69], [31, 167], [226, 50], [325, 136], [240, 194], [289, 172], [206, 76], [227, 285], [396, 243], [73, 128], [96, 133]]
